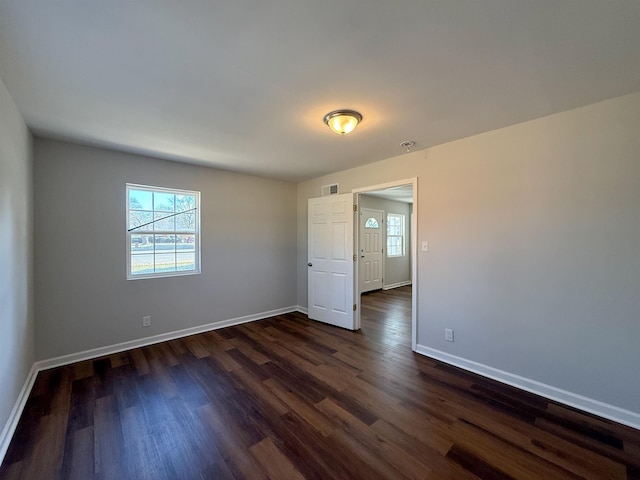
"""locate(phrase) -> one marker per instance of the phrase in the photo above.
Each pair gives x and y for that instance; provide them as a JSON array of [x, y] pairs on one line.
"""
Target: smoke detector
[[408, 144]]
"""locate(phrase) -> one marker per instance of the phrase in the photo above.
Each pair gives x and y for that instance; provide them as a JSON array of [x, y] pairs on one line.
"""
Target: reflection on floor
[[386, 315]]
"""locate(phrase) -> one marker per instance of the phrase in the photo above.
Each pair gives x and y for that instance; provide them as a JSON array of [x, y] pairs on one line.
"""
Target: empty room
[[314, 240]]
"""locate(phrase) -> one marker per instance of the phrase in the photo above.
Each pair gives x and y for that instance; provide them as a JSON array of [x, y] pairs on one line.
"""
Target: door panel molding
[[330, 260]]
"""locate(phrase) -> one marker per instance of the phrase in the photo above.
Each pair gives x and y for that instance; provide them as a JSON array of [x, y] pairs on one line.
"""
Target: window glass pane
[[186, 222], [395, 235], [185, 202], [162, 223], [186, 243], [165, 262], [371, 223], [140, 200], [186, 260], [140, 244], [165, 243], [164, 202], [138, 218], [141, 263]]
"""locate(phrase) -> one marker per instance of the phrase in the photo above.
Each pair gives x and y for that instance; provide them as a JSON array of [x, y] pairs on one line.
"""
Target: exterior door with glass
[[371, 249]]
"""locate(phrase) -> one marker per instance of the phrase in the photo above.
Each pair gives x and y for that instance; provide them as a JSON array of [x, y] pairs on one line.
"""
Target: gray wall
[[83, 299], [533, 256], [16, 304], [396, 269]]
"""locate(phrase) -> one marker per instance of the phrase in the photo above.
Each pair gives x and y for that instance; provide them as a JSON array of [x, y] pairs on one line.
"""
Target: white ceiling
[[244, 84], [403, 193]]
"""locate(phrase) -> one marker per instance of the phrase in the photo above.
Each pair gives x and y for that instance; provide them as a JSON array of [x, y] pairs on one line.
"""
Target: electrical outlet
[[448, 335], [146, 321]]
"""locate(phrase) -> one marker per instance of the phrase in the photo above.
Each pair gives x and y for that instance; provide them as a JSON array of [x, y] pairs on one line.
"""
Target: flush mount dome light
[[342, 121]]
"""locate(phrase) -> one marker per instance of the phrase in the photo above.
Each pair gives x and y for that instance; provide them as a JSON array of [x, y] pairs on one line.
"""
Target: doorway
[[399, 243]]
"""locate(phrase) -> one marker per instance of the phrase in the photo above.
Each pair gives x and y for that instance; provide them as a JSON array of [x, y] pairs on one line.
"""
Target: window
[[395, 235], [163, 232], [371, 223]]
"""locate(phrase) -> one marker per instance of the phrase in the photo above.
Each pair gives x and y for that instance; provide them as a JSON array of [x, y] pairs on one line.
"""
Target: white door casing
[[331, 260], [371, 241]]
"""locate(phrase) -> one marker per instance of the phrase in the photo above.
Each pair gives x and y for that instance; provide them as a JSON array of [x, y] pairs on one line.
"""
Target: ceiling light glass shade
[[342, 121]]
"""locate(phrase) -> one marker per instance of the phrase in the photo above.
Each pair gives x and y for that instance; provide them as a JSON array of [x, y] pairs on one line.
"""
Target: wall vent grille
[[330, 190]]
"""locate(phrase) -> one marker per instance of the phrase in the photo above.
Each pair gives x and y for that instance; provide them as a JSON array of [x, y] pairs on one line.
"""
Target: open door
[[331, 260]]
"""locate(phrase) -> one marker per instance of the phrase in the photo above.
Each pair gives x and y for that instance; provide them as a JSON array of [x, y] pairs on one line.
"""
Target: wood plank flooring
[[288, 398]]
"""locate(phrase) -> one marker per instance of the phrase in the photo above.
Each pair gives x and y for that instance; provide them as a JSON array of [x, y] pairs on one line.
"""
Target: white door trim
[[414, 252]]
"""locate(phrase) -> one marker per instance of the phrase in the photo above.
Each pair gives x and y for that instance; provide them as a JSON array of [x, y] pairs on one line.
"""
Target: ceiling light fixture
[[342, 121]]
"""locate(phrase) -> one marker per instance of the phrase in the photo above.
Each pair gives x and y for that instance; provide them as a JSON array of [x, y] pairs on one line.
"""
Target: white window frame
[[152, 231], [402, 235]]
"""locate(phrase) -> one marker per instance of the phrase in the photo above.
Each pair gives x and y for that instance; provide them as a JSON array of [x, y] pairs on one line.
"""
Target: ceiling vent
[[330, 190]]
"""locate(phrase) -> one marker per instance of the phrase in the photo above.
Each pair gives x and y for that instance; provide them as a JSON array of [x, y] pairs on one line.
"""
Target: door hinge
[[354, 307], [355, 208], [355, 257]]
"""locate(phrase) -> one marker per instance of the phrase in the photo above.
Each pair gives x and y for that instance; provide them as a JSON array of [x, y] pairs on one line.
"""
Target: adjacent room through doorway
[[385, 263]]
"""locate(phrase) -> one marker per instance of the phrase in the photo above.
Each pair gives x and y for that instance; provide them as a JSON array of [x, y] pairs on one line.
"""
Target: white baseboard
[[16, 412], [396, 285], [601, 409], [163, 337], [12, 423], [302, 309]]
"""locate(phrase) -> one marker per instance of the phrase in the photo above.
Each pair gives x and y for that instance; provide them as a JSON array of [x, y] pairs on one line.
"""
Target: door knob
[[309, 264]]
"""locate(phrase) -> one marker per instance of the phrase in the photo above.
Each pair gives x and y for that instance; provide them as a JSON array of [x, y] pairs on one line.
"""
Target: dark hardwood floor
[[288, 398]]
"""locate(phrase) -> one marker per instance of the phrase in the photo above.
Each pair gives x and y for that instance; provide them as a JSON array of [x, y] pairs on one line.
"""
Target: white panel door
[[371, 249], [330, 260]]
